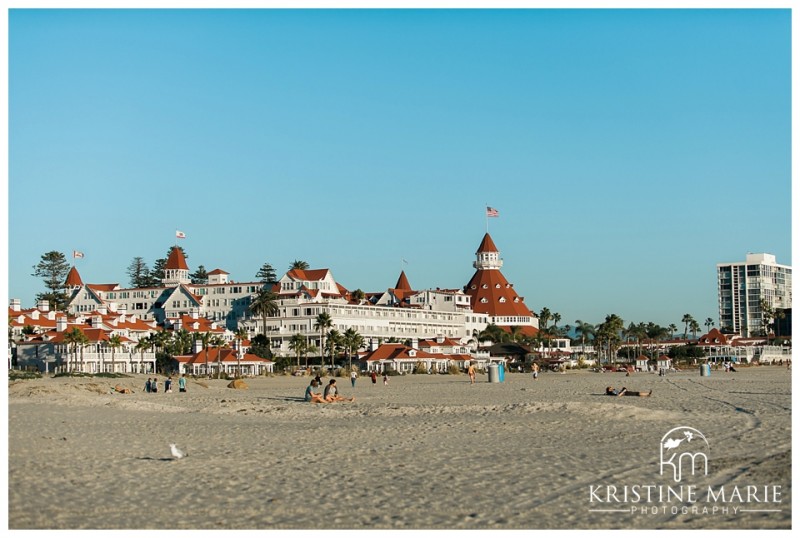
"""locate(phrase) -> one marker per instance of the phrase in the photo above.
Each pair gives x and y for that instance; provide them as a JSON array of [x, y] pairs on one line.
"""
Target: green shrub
[[14, 375], [453, 370]]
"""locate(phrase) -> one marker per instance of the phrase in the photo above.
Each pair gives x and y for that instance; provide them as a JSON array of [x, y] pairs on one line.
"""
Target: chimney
[[194, 312], [16, 305], [103, 309], [43, 305], [61, 324], [415, 343], [198, 345], [96, 321]]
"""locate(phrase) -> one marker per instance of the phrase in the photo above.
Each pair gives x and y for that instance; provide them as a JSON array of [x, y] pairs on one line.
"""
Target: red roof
[[214, 354], [307, 274], [402, 282], [714, 337], [73, 278], [176, 260], [500, 297], [487, 245], [218, 272], [397, 351]]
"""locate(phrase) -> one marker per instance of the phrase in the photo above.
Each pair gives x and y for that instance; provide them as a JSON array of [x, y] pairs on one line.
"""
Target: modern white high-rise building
[[742, 285]]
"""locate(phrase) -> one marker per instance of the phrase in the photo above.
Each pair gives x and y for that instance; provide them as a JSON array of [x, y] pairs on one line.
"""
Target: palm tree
[[585, 330], [73, 338], [240, 336], [265, 304], [544, 318], [694, 326], [672, 328], [493, 333], [299, 264], [217, 341], [686, 320], [709, 323], [114, 342], [322, 324], [142, 345], [298, 344], [205, 338], [335, 340], [352, 341]]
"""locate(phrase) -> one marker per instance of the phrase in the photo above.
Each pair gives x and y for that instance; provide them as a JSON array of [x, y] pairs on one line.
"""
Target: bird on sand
[[177, 453]]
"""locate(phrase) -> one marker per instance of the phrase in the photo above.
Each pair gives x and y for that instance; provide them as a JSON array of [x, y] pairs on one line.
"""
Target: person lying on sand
[[611, 391], [332, 393], [311, 396]]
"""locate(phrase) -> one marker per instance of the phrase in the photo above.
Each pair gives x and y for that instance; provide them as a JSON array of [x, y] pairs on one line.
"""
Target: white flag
[[77, 254], [179, 234]]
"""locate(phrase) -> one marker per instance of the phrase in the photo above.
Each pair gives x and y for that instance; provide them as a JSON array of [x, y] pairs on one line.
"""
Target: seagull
[[177, 453]]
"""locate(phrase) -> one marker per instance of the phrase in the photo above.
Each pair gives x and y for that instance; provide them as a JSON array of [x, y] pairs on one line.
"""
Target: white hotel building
[[741, 287], [400, 313]]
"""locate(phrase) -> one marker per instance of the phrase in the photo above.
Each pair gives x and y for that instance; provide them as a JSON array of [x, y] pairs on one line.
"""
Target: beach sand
[[427, 451]]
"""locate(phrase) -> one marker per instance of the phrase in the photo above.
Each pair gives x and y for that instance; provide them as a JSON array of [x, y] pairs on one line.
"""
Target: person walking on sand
[[374, 377], [154, 385], [385, 380], [353, 376], [471, 373], [148, 386], [535, 369], [168, 385], [182, 383]]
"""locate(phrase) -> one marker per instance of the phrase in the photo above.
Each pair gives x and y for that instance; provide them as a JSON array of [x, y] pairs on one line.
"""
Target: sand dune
[[424, 452]]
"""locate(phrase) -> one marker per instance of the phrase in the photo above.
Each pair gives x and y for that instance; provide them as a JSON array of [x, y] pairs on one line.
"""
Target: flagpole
[[486, 212]]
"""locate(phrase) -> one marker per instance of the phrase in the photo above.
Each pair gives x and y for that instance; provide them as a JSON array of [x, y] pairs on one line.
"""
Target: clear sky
[[628, 152]]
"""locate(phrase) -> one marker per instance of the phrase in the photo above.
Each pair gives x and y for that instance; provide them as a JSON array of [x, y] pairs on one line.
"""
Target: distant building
[[742, 286]]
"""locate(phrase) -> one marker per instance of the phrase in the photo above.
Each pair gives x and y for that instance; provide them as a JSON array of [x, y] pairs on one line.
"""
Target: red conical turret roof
[[73, 279], [487, 245], [402, 282], [176, 260]]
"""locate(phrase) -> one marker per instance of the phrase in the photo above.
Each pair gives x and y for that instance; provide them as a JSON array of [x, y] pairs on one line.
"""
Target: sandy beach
[[423, 452]]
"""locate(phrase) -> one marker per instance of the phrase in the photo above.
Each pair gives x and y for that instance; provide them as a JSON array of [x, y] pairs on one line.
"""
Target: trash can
[[705, 370], [501, 373], [493, 376]]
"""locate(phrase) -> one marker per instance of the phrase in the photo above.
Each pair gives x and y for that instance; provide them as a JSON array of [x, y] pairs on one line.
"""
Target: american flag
[[492, 212], [77, 254], [179, 234]]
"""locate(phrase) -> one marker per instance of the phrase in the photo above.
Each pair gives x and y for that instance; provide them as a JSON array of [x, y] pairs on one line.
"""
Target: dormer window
[[497, 286], [484, 300], [502, 299], [485, 286]]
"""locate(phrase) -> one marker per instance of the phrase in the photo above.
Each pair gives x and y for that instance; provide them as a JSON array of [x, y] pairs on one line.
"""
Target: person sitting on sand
[[311, 396], [611, 391], [331, 393]]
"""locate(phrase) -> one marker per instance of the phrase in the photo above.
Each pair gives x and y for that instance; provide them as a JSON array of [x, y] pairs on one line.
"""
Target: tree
[[239, 336], [686, 320], [694, 326], [264, 304], [200, 276], [205, 338], [299, 264], [139, 273], [218, 342], [77, 340], [672, 329], [352, 341], [335, 343], [53, 269], [141, 346], [322, 324], [584, 330], [267, 274], [708, 323], [358, 296], [114, 342], [298, 344], [493, 333]]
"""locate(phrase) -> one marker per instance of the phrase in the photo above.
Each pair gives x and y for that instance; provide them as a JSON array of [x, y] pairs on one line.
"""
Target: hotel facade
[[743, 285]]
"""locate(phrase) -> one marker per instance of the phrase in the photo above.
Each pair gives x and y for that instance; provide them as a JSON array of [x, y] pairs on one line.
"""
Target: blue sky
[[628, 152]]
